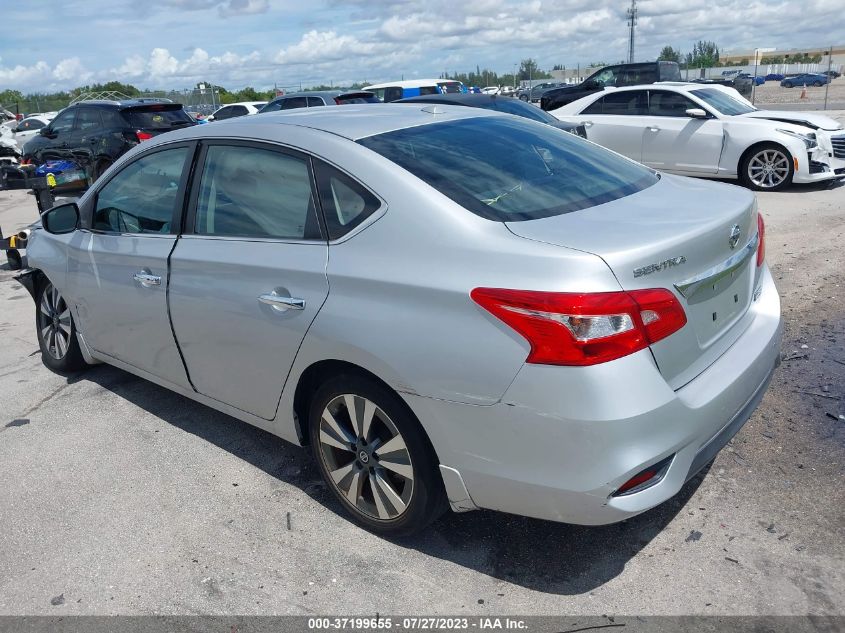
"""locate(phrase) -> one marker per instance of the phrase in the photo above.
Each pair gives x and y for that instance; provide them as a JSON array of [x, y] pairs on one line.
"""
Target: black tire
[[788, 84], [56, 333], [817, 84], [523, 97], [744, 163], [426, 500]]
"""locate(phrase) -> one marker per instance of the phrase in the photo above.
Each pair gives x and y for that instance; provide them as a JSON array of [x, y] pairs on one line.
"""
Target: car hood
[[807, 119]]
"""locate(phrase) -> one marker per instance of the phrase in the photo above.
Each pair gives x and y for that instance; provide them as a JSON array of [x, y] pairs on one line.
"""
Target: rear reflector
[[761, 244], [143, 136], [645, 479], [584, 329]]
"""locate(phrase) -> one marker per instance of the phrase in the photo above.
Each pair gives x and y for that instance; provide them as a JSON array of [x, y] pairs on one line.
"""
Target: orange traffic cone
[[803, 92]]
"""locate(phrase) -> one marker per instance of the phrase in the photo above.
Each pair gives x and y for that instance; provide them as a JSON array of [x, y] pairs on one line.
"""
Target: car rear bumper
[[563, 439]]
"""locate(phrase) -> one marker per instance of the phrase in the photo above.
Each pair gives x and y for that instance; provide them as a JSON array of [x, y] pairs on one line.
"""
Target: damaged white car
[[705, 131]]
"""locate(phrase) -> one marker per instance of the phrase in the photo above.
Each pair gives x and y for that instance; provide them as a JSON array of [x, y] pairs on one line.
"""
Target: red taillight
[[761, 245], [584, 329], [338, 101], [143, 136]]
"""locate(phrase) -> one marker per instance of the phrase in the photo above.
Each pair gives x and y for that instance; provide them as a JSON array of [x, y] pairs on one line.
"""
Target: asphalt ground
[[119, 497]]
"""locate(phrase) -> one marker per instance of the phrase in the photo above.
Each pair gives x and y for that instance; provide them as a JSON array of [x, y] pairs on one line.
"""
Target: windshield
[[510, 169], [722, 102]]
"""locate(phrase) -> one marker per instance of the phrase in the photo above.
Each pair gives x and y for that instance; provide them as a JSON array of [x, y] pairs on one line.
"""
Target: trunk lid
[[677, 235]]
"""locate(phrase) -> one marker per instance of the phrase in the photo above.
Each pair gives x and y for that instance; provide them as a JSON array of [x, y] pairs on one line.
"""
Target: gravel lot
[[119, 497], [772, 94]]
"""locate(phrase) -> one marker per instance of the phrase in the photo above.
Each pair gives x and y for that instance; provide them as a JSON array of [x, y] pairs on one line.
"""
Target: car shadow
[[540, 555]]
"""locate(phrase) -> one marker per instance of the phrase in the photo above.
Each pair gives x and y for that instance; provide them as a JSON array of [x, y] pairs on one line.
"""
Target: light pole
[[827, 85]]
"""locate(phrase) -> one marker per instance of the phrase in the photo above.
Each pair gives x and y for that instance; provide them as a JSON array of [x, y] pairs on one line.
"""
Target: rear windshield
[[449, 87], [509, 169], [519, 108], [158, 117]]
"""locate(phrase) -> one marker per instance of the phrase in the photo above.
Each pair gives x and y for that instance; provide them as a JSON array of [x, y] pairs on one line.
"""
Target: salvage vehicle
[[393, 91], [463, 309], [31, 126], [611, 76], [703, 131], [499, 104], [97, 133], [318, 98], [806, 79], [232, 110]]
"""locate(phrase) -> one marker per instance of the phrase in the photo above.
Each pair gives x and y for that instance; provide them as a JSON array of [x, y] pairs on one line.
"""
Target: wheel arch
[[31, 279]]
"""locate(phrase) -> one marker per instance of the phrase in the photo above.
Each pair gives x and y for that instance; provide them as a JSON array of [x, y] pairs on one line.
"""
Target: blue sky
[[175, 43]]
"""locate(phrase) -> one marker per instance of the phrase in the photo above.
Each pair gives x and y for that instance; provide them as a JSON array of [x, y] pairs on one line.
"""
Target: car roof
[[243, 103], [351, 121], [411, 83], [122, 103]]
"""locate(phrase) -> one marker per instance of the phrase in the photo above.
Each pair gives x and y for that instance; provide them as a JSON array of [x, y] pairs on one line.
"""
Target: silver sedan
[[452, 307]]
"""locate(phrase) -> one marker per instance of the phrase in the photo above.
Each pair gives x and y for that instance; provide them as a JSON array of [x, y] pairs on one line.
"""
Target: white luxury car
[[706, 131]]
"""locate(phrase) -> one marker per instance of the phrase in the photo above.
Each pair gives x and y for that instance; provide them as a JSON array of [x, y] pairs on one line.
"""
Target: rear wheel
[[374, 456], [817, 83], [767, 167], [100, 167], [56, 331], [788, 84]]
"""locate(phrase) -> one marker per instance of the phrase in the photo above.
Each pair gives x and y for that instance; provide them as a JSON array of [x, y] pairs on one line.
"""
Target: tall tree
[[669, 54], [528, 69], [704, 54]]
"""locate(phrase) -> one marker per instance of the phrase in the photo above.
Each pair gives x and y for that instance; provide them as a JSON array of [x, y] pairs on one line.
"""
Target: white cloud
[[325, 46]]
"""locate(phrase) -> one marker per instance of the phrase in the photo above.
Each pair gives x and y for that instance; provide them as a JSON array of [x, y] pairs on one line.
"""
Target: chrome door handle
[[146, 279], [587, 123], [282, 303], [653, 129]]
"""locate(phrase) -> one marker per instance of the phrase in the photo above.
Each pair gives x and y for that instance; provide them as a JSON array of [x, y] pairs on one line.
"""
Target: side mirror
[[61, 219], [696, 113]]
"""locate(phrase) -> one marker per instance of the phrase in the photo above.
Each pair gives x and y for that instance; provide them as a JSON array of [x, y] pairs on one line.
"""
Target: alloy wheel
[[366, 457], [54, 322], [768, 168]]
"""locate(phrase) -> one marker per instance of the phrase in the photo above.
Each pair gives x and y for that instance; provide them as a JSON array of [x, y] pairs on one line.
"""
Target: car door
[[674, 141], [614, 121], [89, 128], [249, 275], [58, 138], [117, 262]]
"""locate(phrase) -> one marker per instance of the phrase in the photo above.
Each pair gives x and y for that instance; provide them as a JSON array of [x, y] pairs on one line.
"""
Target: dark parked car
[[775, 77], [806, 79], [318, 98], [536, 91], [617, 76], [742, 83], [94, 134], [500, 104], [833, 74]]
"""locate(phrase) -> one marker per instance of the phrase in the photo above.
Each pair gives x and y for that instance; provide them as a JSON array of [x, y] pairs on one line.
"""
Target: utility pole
[[829, 78], [632, 23]]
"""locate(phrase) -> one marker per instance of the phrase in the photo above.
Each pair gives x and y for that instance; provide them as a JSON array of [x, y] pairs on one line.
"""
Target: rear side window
[[253, 192], [346, 203], [30, 124], [157, 118], [88, 119], [392, 94], [429, 90], [637, 75], [357, 97], [142, 197], [630, 102], [509, 169], [315, 102]]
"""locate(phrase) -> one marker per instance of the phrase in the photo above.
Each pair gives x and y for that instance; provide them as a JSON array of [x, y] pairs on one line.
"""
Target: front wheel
[[374, 456], [56, 331], [787, 85], [767, 167], [817, 84]]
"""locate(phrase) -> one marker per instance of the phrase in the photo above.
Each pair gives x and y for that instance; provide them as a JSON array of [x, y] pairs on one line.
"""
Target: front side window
[[393, 94], [273, 106], [294, 102], [254, 192], [509, 169], [346, 203], [661, 103], [142, 197], [64, 122], [606, 76], [629, 102], [239, 111], [224, 113]]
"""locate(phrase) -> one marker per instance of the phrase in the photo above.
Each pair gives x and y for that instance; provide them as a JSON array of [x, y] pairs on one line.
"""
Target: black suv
[[617, 76], [94, 134]]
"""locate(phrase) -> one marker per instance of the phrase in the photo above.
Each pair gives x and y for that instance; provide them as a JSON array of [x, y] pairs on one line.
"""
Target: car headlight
[[809, 139]]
